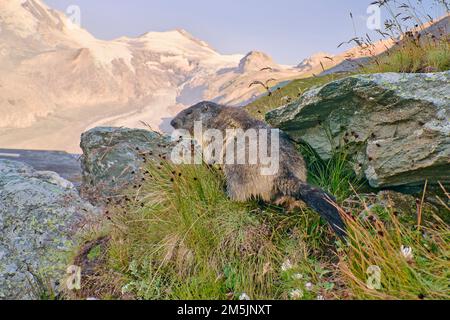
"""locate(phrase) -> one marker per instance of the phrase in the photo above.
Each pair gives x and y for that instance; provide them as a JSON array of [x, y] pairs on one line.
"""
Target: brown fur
[[246, 181]]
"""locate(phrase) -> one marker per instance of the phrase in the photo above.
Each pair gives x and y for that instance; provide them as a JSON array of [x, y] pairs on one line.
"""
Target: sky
[[287, 30]]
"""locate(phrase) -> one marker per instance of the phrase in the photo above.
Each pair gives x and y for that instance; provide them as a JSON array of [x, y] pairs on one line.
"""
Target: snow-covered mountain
[[57, 80]]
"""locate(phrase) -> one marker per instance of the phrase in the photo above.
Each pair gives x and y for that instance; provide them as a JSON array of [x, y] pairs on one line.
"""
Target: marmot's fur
[[246, 181]]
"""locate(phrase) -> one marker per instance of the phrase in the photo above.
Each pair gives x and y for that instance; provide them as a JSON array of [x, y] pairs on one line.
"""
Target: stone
[[113, 159], [40, 212], [395, 126]]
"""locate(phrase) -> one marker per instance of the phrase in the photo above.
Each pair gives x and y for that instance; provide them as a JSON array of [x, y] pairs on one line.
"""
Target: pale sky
[[288, 30]]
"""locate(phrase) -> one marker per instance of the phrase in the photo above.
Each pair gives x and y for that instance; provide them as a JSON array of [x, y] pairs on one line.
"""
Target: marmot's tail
[[322, 202]]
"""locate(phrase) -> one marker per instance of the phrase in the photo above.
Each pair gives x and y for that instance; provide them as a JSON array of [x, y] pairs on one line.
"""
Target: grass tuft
[[336, 175], [413, 57], [180, 237], [412, 262]]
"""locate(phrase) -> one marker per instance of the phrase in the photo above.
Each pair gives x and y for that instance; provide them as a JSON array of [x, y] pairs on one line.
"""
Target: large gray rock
[[395, 125], [113, 159], [39, 214]]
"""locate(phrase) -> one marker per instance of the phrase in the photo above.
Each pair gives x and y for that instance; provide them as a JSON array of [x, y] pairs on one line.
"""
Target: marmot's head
[[203, 111]]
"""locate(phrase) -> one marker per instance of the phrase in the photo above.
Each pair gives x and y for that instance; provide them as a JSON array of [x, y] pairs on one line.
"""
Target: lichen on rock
[[39, 215]]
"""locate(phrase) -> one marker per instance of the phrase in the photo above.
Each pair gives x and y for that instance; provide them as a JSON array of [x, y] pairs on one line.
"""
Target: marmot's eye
[[188, 113]]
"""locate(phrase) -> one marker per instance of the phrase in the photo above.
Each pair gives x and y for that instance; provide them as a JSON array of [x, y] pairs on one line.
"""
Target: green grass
[[413, 57], [180, 237], [94, 253], [419, 50], [184, 239], [378, 242], [335, 176]]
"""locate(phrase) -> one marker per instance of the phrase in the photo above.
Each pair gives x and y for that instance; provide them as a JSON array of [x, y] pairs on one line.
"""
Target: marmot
[[245, 181]]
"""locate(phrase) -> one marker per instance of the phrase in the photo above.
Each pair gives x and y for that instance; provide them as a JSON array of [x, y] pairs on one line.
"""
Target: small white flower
[[287, 265], [309, 286], [126, 288], [297, 276], [244, 297], [407, 252], [296, 294], [320, 298]]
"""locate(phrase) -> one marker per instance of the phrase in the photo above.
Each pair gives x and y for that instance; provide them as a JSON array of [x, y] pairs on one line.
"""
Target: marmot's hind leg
[[289, 203]]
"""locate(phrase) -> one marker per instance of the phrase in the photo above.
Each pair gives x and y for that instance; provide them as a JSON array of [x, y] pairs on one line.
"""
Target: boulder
[[113, 159], [39, 215], [395, 126]]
